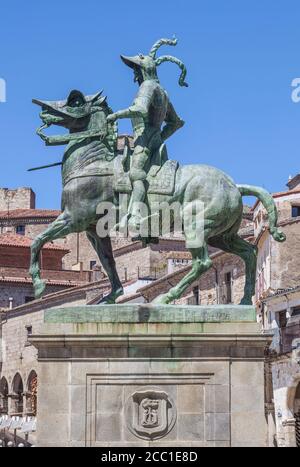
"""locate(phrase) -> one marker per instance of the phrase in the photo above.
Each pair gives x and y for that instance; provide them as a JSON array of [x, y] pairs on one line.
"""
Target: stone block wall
[[17, 355], [211, 284], [98, 387], [285, 271], [21, 198], [133, 264], [19, 292]]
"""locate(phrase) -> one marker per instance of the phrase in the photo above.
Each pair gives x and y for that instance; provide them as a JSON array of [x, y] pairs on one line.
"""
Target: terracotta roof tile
[[29, 213], [25, 280], [10, 239], [179, 255]]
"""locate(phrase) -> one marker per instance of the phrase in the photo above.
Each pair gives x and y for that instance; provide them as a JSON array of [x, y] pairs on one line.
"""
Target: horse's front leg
[[58, 229], [103, 248]]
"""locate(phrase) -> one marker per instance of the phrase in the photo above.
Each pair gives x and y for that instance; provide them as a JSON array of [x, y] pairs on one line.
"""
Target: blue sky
[[241, 58]]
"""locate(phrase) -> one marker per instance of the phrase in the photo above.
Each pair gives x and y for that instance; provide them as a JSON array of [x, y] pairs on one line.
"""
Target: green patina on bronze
[[94, 172]]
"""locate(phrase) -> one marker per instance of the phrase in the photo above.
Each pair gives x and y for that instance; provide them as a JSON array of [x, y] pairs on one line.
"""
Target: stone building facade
[[278, 266], [20, 198], [278, 306], [15, 281], [136, 262], [19, 368], [277, 301], [222, 284], [31, 222], [282, 313]]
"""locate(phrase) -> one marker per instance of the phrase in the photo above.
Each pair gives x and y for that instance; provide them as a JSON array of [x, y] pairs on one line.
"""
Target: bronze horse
[[91, 148]]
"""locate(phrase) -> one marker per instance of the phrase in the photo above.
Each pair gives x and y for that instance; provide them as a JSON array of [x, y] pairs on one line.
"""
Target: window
[[296, 311], [3, 396], [281, 319], [295, 211], [228, 294], [28, 299], [196, 294], [92, 264], [28, 330], [17, 395], [31, 396], [20, 229]]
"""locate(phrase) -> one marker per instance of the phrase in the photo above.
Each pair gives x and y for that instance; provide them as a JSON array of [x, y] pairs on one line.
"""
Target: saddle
[[160, 178]]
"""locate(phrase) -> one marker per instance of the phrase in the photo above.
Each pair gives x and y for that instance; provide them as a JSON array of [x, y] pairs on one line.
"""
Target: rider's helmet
[[144, 66]]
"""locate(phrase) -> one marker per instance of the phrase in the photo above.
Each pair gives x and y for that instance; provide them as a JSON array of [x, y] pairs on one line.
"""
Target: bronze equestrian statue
[[93, 173], [150, 109]]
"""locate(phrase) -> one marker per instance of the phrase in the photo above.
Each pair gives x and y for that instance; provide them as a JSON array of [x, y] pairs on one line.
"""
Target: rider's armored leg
[[137, 176]]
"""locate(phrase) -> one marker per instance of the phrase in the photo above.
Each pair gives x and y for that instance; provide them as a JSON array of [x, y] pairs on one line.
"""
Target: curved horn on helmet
[[159, 43], [170, 58]]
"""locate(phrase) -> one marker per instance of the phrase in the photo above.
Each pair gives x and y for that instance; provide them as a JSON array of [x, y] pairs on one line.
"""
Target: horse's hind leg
[[234, 244], [103, 248], [200, 264], [58, 229]]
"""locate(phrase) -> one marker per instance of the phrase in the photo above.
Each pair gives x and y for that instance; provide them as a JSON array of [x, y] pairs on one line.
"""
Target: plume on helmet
[[168, 58]]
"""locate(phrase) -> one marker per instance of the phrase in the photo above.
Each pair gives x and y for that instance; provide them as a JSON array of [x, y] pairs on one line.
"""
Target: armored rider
[[150, 109]]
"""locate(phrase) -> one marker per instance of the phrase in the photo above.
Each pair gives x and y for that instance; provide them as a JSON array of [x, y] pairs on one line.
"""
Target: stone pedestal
[[148, 375]]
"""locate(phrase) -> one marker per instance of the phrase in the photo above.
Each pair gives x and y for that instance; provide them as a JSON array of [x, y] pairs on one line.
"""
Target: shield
[[152, 413]]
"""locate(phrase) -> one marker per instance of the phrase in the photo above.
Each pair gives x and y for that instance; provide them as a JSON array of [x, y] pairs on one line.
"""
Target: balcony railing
[[142, 272]]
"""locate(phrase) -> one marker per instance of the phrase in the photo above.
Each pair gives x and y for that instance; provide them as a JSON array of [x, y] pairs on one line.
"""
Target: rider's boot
[[132, 218]]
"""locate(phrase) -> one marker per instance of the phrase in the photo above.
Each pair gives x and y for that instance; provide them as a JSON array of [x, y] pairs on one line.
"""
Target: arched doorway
[[31, 400], [17, 395], [297, 414], [3, 396]]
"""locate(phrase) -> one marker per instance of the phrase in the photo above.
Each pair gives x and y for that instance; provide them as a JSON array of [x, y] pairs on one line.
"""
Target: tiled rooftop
[[10, 239], [29, 213]]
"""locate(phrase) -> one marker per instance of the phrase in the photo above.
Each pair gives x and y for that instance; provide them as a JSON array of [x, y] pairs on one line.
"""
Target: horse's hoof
[[39, 289], [161, 300], [111, 298], [279, 236], [106, 301]]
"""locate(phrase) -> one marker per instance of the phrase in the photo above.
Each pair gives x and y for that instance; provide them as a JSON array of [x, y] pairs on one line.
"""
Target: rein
[[71, 136]]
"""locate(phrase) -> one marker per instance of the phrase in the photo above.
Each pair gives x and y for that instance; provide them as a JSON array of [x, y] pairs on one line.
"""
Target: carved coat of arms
[[151, 413]]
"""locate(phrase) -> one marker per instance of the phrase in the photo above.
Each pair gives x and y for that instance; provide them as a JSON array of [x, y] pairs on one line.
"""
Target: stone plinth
[[146, 375]]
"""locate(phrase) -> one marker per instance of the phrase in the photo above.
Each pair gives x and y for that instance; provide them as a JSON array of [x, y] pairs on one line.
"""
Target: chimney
[[294, 182], [19, 198]]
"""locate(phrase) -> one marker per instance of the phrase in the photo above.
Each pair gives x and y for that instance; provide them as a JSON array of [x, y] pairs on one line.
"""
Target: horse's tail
[[269, 204]]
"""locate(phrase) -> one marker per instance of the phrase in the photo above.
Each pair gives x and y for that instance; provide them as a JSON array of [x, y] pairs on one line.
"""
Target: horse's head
[[78, 113]]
